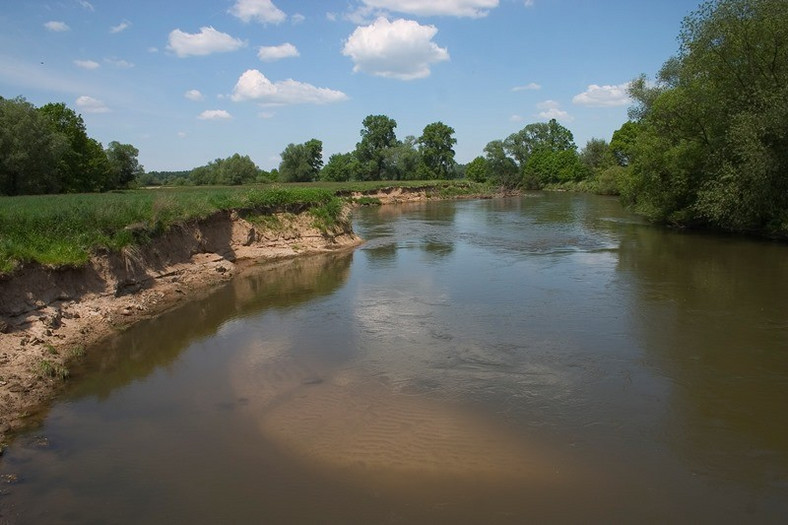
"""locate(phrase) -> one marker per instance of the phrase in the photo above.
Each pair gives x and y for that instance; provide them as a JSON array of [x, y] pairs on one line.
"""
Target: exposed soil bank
[[50, 317]]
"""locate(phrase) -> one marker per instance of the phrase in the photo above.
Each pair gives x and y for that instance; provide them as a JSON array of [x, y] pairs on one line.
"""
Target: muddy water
[[541, 358]]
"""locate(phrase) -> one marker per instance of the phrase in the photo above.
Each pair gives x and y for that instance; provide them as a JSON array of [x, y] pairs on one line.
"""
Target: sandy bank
[[50, 317]]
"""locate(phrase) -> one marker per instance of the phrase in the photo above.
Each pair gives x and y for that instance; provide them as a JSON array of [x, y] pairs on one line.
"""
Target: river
[[541, 358]]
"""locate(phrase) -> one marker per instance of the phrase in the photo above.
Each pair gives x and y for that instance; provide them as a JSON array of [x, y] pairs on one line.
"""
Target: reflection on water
[[544, 358]]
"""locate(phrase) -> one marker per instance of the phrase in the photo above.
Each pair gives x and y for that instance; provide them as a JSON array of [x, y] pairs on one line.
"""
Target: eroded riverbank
[[50, 318]]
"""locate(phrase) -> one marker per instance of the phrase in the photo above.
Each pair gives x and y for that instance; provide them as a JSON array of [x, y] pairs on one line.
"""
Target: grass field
[[63, 230]]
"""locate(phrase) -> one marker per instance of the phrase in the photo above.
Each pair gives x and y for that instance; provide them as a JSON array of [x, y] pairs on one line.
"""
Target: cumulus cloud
[[91, 105], [214, 114], [207, 41], [533, 86], [120, 27], [552, 110], [273, 53], [263, 11], [87, 64], [402, 49], [194, 95], [603, 96], [57, 27], [463, 8], [253, 85]]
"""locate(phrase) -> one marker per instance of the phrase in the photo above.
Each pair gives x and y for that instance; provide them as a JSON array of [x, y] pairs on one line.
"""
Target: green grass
[[64, 230]]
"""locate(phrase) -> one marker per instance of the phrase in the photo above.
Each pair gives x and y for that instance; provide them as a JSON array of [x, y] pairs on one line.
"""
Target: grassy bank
[[63, 230]]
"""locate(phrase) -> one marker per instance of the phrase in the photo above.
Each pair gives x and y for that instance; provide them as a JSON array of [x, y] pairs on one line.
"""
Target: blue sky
[[188, 82]]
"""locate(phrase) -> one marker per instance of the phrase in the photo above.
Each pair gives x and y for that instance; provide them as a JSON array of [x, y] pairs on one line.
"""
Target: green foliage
[[47, 368], [712, 143], [377, 136], [341, 167], [501, 169], [30, 150], [123, 164], [478, 170], [545, 166], [436, 146], [623, 142], [301, 162], [597, 155], [232, 171]]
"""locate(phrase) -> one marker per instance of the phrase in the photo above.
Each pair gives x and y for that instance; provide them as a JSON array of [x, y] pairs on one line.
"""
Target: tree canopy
[[48, 150], [436, 146], [712, 134], [301, 162]]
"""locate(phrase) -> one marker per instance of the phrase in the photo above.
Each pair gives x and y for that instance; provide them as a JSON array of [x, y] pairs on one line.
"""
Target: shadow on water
[[711, 311], [157, 343]]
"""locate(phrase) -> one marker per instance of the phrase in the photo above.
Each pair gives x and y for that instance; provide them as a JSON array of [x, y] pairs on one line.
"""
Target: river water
[[544, 358]]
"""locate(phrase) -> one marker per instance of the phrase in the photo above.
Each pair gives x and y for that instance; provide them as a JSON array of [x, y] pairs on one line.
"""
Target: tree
[[30, 150], [623, 142], [597, 155], [341, 167], [301, 162], [712, 147], [436, 146], [236, 170], [377, 136], [403, 161], [124, 166], [501, 169], [83, 166], [478, 170], [538, 136]]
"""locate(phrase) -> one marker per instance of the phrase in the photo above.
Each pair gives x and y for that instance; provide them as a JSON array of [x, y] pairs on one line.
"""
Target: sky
[[189, 82]]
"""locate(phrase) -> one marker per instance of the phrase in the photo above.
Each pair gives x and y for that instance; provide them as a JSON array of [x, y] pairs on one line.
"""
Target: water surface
[[549, 357]]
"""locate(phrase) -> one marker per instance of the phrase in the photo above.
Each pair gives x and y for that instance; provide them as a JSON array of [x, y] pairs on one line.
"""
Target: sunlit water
[[540, 358]]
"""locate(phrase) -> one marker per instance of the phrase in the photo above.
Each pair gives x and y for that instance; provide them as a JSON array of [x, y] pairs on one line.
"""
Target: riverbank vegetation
[[63, 230], [708, 139]]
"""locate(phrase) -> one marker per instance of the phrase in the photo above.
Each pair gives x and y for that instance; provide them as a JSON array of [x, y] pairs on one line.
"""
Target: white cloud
[[57, 27], [153, 49], [465, 8], [529, 3], [91, 105], [87, 5], [120, 27], [182, 134], [515, 118], [363, 15], [331, 17], [603, 96], [263, 11], [253, 85], [214, 114], [194, 95], [533, 86], [402, 49], [87, 64], [273, 53], [552, 110], [266, 114], [297, 18], [207, 41], [118, 63]]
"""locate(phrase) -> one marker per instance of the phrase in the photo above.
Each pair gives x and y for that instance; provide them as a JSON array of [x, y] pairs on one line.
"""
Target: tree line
[[47, 150]]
